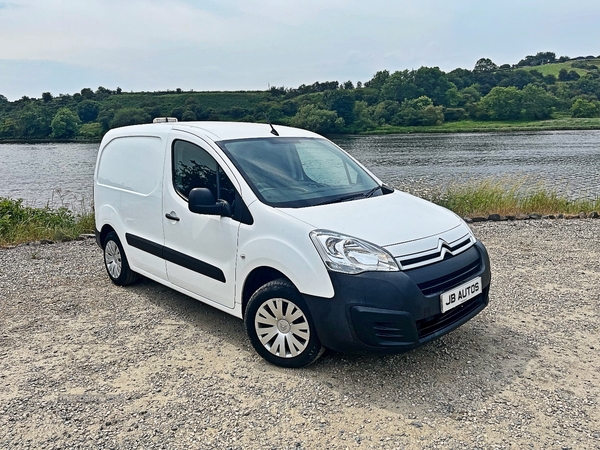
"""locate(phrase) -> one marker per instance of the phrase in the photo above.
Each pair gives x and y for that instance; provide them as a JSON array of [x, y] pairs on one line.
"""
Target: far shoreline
[[468, 126]]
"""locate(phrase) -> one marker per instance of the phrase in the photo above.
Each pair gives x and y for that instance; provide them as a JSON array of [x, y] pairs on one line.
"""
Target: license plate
[[458, 295]]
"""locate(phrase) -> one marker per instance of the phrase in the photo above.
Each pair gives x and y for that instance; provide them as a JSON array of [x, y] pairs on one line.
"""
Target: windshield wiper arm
[[372, 191], [351, 196]]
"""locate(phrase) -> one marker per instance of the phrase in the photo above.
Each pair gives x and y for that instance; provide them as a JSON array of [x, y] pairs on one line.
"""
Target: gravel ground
[[86, 364]]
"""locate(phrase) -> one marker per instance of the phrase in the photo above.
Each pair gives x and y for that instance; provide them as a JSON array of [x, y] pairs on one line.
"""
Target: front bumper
[[393, 312]]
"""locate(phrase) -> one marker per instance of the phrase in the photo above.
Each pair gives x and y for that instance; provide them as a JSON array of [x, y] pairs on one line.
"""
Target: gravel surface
[[86, 364]]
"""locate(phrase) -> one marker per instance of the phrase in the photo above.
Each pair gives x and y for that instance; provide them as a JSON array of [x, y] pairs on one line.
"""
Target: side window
[[226, 189], [193, 167]]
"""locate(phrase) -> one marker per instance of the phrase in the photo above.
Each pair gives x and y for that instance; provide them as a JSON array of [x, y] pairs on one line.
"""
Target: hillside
[[554, 69], [537, 88]]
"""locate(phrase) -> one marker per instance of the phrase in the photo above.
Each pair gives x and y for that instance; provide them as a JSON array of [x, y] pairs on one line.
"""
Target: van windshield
[[298, 172]]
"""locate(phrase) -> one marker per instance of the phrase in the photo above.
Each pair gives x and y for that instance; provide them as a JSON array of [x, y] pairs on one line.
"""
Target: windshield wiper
[[345, 198], [372, 191]]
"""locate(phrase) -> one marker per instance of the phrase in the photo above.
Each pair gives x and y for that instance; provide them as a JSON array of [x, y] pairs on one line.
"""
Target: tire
[[116, 263], [280, 326]]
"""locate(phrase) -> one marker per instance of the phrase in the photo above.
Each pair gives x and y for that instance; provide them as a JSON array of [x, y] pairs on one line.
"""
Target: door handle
[[172, 216]]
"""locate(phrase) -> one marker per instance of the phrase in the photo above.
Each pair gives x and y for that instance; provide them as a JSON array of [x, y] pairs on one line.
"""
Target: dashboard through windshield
[[297, 172]]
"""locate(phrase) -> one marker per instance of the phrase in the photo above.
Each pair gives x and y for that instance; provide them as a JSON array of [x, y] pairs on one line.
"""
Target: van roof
[[217, 131]]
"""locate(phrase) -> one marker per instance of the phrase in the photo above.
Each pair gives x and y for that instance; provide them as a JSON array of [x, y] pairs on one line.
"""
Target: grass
[[554, 69], [20, 223], [471, 126], [509, 197]]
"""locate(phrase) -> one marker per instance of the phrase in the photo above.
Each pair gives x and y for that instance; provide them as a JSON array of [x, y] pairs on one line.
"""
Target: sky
[[63, 46]]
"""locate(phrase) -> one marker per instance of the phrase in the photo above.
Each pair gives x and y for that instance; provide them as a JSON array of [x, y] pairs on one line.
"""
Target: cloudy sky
[[62, 46]]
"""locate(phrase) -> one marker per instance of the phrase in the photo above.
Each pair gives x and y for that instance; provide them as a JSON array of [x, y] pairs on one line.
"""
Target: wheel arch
[[257, 278], [104, 232]]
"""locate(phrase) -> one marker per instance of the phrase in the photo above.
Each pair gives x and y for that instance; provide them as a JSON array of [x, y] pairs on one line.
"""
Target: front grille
[[442, 284], [431, 325], [443, 251]]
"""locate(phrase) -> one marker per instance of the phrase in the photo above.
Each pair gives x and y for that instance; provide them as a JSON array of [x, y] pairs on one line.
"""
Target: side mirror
[[202, 201]]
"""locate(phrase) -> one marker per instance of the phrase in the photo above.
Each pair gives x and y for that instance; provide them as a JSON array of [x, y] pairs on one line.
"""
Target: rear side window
[[193, 168], [132, 163]]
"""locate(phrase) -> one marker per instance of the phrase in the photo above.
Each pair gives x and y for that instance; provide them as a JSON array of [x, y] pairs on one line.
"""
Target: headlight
[[347, 254]]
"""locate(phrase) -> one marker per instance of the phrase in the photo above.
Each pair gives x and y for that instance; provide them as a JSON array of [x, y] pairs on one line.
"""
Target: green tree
[[501, 103], [317, 119], [47, 97], [400, 86], [65, 124], [88, 110], [419, 112], [568, 75], [537, 103], [585, 108], [378, 80], [519, 79], [33, 121], [385, 111], [129, 116], [188, 115], [91, 130], [342, 102], [433, 83], [87, 93], [9, 128], [485, 65], [363, 119], [461, 78]]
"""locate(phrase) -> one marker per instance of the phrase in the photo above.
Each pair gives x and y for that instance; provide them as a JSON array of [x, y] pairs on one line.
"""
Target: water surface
[[62, 174]]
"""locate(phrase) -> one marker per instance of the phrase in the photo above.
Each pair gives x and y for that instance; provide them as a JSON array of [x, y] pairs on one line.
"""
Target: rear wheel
[[280, 327], [115, 261]]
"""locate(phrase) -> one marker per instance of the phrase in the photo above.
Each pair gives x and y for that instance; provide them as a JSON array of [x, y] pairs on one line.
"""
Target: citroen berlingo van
[[280, 227]]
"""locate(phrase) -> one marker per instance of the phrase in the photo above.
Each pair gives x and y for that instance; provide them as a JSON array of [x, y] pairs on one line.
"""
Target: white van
[[282, 228]]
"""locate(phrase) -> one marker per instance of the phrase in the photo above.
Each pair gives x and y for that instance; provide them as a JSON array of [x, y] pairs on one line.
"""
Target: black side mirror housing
[[202, 201]]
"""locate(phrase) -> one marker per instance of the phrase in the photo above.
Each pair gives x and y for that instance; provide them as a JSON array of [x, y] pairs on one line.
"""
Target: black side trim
[[193, 264], [176, 257], [145, 245]]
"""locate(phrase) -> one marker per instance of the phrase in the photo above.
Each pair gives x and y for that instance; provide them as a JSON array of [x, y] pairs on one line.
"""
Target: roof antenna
[[273, 130]]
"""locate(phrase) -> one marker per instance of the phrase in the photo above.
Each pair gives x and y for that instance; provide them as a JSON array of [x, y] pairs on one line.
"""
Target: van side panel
[[128, 195]]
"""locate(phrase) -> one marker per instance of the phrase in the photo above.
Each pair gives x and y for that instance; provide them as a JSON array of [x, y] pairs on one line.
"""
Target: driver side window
[[193, 168]]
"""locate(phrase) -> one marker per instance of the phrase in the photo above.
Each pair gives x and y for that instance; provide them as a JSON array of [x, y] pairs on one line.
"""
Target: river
[[568, 161]]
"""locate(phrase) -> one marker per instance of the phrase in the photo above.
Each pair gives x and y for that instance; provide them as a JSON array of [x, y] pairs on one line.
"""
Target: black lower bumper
[[393, 312]]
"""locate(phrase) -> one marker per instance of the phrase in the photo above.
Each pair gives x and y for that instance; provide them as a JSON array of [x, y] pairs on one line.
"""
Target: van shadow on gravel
[[449, 376]]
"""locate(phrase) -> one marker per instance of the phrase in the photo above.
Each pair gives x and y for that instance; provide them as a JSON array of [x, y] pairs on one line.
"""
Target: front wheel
[[116, 263], [280, 326]]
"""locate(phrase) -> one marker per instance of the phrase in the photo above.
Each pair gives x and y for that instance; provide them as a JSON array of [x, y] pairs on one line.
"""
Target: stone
[[582, 215], [479, 219], [468, 219], [571, 216], [511, 217], [560, 216], [594, 215], [522, 217], [535, 216], [496, 217]]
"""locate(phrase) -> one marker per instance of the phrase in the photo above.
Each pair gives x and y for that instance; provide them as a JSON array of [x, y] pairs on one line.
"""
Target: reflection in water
[[565, 160]]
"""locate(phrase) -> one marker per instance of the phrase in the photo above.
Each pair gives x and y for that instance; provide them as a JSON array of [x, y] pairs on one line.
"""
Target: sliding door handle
[[172, 216]]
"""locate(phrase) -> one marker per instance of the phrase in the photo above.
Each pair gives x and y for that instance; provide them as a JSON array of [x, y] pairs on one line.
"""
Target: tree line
[[423, 97]]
